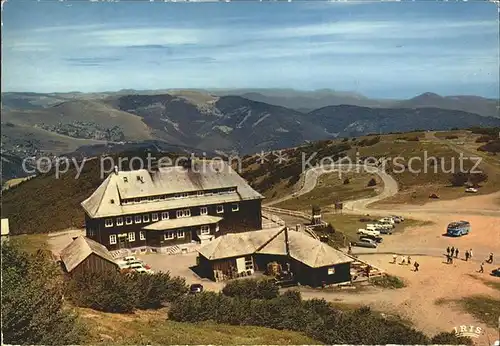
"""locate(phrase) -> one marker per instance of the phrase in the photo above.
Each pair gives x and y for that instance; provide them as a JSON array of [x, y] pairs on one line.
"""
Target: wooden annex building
[[84, 254], [312, 262], [193, 203]]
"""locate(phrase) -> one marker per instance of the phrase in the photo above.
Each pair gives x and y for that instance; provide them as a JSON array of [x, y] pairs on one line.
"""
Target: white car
[[471, 190], [386, 225], [387, 220], [368, 232]]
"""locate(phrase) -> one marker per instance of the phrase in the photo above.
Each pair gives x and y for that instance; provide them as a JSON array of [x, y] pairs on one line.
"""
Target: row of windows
[[129, 220], [130, 236], [177, 196], [169, 235]]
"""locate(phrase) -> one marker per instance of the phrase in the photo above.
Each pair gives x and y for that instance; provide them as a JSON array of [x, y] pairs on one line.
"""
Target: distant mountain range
[[219, 121]]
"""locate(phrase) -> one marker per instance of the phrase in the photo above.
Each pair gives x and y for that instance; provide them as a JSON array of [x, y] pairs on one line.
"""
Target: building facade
[[311, 262], [170, 206]]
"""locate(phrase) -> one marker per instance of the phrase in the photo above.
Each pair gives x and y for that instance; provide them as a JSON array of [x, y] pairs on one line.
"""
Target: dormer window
[[125, 179], [112, 201]]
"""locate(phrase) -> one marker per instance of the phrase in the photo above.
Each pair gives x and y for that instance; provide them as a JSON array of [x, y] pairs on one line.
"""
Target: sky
[[379, 49]]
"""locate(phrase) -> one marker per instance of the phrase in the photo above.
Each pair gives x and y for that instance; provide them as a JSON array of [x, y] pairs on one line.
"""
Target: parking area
[[180, 265]]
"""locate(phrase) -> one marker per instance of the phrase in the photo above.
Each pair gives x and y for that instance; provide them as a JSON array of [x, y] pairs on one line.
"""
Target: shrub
[[372, 182], [108, 291], [346, 181], [451, 137], [485, 139], [32, 302], [388, 281], [450, 338], [112, 291], [492, 147], [251, 289], [459, 179]]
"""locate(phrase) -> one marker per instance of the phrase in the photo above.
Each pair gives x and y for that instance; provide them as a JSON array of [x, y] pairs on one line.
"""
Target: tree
[[346, 181], [372, 182], [32, 302]]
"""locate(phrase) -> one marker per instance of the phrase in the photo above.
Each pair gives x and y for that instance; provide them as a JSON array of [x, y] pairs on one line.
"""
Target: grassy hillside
[[151, 327]]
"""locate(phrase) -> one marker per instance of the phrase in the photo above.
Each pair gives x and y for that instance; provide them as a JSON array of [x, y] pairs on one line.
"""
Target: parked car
[[365, 243], [195, 288], [374, 226], [376, 238], [386, 225], [385, 231], [368, 231], [471, 190], [397, 219], [496, 272], [458, 228], [387, 220]]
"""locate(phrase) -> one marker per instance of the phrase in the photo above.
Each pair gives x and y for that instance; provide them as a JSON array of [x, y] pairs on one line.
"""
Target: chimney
[[116, 169], [287, 244]]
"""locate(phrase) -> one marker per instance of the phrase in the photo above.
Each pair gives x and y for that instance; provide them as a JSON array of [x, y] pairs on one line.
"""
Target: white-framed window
[[220, 209], [164, 215], [203, 210], [177, 195], [180, 233], [169, 235], [162, 197], [331, 271], [108, 223], [154, 217], [142, 235], [128, 220], [131, 236], [183, 213], [184, 195], [205, 229], [200, 193], [138, 219], [112, 239], [91, 232], [216, 227], [119, 221], [235, 207], [145, 218]]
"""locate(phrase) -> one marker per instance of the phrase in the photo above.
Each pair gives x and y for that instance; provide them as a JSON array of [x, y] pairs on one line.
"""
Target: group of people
[[452, 252], [405, 261]]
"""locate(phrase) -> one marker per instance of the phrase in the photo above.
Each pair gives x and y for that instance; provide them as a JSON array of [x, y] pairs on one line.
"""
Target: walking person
[[403, 260], [452, 251], [467, 255], [416, 265], [490, 258], [448, 250], [456, 253], [470, 253], [481, 268], [394, 258], [409, 260]]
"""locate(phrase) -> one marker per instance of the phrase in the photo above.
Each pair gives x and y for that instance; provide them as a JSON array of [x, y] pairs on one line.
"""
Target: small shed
[[84, 254]]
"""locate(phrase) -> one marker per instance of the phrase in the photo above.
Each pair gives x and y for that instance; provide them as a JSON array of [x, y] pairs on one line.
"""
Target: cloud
[[92, 61]]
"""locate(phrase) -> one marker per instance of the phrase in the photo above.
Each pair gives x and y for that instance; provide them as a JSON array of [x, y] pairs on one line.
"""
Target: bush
[[485, 139], [450, 338], [492, 147], [32, 302], [316, 318], [251, 289], [388, 281], [451, 137], [459, 179], [346, 181], [372, 182], [112, 291]]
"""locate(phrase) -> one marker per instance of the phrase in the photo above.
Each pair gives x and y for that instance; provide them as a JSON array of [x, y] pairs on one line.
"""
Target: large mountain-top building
[[172, 205]]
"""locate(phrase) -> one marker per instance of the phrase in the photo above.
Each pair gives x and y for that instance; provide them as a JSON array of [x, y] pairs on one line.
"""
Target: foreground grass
[[331, 189], [152, 327]]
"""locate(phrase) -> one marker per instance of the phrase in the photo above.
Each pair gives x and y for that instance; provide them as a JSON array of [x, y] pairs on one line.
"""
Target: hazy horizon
[[380, 50]]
